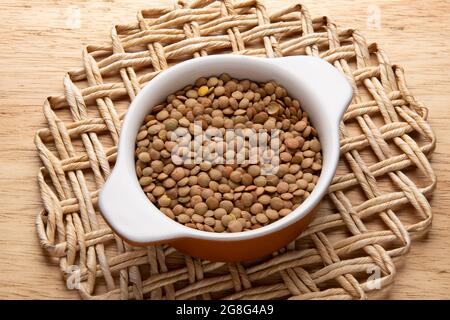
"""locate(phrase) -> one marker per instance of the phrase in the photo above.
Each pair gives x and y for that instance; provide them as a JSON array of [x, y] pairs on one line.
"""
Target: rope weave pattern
[[376, 202]]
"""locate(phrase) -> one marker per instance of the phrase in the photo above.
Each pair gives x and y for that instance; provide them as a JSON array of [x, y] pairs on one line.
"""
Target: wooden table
[[42, 39]]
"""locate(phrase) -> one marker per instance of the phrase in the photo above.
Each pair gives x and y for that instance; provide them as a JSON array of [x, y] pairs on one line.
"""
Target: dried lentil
[[213, 197]]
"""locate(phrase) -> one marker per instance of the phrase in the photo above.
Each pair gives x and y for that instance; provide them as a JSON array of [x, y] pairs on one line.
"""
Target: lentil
[[230, 197]]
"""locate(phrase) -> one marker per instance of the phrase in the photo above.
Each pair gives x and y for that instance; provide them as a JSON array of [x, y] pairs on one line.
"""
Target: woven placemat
[[376, 203]]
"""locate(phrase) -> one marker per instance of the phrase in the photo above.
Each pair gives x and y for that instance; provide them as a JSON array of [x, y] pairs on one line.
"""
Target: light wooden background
[[42, 39]]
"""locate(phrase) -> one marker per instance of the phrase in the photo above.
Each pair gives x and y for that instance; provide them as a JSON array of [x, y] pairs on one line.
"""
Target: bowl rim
[[297, 214]]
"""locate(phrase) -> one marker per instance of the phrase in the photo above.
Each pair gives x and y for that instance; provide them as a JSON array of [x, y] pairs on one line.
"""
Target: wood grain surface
[[42, 39]]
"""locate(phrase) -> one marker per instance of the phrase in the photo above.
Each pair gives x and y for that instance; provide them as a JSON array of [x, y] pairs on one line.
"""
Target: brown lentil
[[212, 203], [215, 197], [262, 218], [235, 226]]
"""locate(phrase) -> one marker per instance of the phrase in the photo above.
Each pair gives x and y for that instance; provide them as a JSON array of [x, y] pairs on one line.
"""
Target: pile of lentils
[[228, 197]]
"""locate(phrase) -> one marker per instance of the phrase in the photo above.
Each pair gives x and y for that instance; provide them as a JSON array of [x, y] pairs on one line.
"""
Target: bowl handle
[[129, 212], [328, 86]]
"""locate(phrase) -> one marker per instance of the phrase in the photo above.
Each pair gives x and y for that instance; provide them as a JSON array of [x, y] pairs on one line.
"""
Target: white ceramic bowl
[[322, 91]]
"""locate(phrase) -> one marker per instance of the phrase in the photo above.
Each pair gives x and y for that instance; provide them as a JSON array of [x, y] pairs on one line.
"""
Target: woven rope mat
[[376, 203]]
